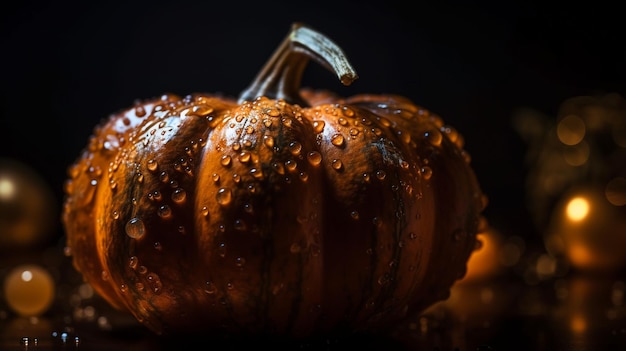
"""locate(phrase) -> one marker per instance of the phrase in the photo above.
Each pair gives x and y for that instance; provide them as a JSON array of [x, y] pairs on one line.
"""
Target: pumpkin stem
[[281, 76]]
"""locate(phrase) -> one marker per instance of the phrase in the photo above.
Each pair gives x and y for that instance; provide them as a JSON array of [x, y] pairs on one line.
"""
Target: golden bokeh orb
[[29, 290]]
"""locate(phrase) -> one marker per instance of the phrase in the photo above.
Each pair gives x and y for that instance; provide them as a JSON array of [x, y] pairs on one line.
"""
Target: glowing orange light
[[577, 209], [580, 255], [578, 324]]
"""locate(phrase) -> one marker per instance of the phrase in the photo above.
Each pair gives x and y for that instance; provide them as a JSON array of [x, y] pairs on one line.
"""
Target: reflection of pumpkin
[[287, 212]]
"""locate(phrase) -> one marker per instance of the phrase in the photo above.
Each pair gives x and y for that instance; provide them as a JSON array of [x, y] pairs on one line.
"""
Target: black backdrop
[[65, 66]]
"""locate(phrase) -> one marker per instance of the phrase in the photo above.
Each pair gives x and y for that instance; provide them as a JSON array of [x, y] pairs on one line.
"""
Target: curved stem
[[281, 76]]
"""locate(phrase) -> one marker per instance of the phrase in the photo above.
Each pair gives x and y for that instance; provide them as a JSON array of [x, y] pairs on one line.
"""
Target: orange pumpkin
[[288, 212]]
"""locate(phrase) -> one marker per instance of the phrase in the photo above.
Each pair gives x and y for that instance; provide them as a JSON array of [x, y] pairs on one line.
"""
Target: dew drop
[[337, 164], [155, 283], [427, 172], [354, 215], [337, 140], [295, 148], [224, 196], [135, 228], [380, 174], [295, 248], [256, 173], [216, 177], [278, 167], [318, 126], [165, 211], [268, 141], [348, 112], [291, 165], [240, 225], [225, 160], [132, 262], [240, 262], [140, 111], [153, 165], [209, 288], [314, 158], [179, 195], [434, 137], [204, 211], [244, 157]]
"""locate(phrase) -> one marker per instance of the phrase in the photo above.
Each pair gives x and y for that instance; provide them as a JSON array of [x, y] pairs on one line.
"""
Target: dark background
[[66, 66]]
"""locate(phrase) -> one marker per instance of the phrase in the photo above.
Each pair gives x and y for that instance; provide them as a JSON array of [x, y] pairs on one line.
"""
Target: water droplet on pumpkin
[[434, 137], [135, 228], [164, 177], [209, 288], [179, 195], [224, 196], [337, 164], [153, 165], [132, 262], [295, 148], [268, 141], [318, 126], [295, 248], [225, 160], [342, 121], [154, 282], [337, 140], [354, 215], [384, 279], [204, 211], [221, 250], [380, 174], [240, 262], [366, 177], [347, 111], [240, 225], [427, 172], [164, 211], [291, 165], [140, 111], [314, 158], [273, 112], [278, 167], [244, 157]]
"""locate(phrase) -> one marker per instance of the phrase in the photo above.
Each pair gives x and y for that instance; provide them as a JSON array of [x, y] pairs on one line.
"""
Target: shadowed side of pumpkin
[[288, 212]]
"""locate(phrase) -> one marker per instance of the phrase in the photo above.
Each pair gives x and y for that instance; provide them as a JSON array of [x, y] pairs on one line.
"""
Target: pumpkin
[[286, 212]]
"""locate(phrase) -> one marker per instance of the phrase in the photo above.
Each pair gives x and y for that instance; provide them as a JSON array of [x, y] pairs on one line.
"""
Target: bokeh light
[[29, 290], [28, 207]]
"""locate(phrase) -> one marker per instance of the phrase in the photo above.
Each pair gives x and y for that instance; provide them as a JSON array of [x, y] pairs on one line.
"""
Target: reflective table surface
[[577, 311]]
